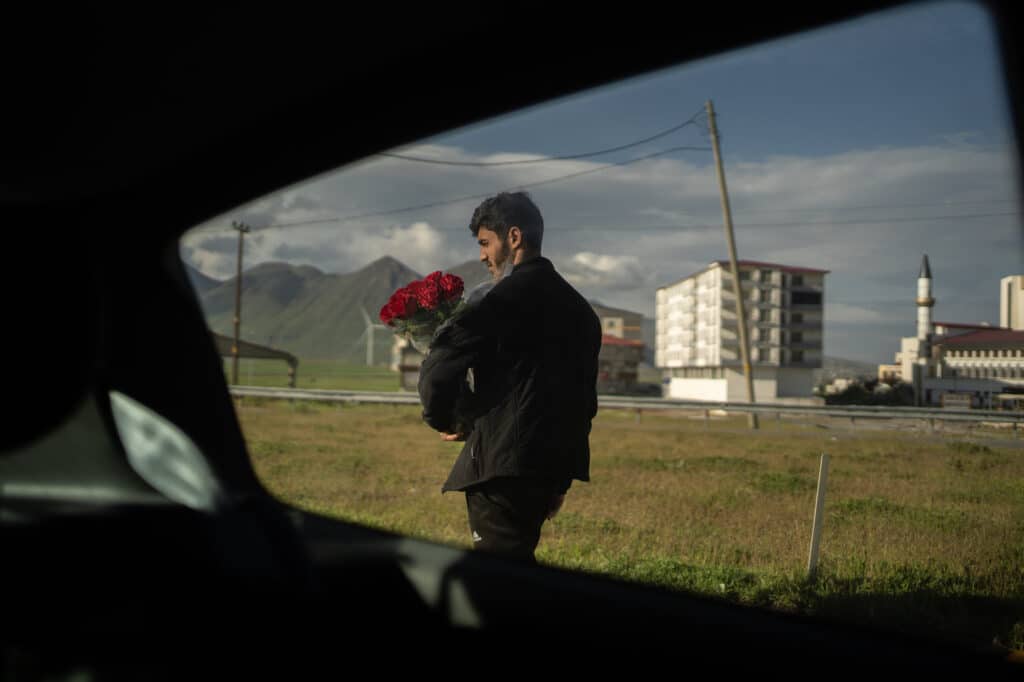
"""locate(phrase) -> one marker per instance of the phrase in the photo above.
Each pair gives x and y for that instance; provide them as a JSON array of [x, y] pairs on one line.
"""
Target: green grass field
[[328, 374], [923, 533]]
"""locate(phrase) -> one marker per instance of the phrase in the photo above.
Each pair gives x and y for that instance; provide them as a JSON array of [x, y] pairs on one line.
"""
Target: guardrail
[[642, 404]]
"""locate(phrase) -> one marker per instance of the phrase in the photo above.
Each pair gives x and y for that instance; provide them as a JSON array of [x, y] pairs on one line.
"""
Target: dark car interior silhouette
[[135, 540]]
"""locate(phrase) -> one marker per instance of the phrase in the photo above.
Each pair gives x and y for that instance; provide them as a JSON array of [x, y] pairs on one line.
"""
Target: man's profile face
[[494, 251]]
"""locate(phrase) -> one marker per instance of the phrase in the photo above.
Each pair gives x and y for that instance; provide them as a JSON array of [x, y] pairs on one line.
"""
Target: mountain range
[[305, 311], [318, 315]]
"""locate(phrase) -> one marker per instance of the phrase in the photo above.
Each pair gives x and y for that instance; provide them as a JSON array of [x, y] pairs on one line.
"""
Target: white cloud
[[596, 271], [418, 245]]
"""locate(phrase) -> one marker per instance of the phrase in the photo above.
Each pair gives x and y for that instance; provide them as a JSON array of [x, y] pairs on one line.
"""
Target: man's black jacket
[[532, 343]]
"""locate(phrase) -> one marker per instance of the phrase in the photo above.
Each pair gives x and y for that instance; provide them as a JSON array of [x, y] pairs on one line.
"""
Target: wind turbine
[[367, 335]]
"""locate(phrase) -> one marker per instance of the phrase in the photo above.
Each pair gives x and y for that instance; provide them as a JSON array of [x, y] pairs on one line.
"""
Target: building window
[[744, 275], [806, 298], [798, 280], [797, 356], [766, 276], [796, 337], [796, 318]]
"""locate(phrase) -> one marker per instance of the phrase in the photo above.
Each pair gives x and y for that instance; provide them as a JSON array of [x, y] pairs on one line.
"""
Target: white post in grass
[[819, 518]]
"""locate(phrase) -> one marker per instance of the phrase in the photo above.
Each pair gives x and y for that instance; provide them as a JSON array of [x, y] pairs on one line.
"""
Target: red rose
[[387, 313], [401, 305], [434, 278], [407, 304], [428, 295], [451, 287]]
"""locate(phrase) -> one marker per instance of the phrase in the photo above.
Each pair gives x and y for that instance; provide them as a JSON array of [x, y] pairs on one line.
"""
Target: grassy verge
[[922, 534]]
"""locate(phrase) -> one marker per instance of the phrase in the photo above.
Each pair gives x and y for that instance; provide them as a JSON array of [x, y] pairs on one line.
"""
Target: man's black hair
[[506, 210]]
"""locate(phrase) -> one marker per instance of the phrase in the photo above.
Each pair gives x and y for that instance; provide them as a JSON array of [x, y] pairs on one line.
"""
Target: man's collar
[[535, 262]]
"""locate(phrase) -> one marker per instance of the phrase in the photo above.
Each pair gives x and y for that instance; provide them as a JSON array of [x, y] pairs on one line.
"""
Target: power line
[[879, 206], [713, 226], [569, 157], [877, 221], [447, 202]]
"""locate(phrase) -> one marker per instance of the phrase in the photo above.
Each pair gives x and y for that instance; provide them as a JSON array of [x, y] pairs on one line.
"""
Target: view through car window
[[853, 451]]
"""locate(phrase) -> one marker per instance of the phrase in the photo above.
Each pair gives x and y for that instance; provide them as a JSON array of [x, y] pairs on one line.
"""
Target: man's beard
[[506, 263]]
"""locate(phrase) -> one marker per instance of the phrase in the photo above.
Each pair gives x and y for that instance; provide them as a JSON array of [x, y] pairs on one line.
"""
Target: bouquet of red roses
[[416, 310]]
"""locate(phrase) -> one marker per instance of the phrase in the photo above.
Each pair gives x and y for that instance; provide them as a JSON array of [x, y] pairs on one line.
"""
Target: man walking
[[532, 343]]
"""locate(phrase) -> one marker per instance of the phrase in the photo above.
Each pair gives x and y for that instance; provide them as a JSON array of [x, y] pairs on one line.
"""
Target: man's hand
[[556, 504], [452, 436]]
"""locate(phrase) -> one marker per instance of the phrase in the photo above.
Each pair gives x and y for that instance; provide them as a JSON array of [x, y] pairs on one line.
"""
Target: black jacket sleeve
[[470, 340], [440, 384], [442, 379]]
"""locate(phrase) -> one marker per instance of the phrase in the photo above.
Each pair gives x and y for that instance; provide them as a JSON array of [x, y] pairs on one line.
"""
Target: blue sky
[[902, 78], [836, 143]]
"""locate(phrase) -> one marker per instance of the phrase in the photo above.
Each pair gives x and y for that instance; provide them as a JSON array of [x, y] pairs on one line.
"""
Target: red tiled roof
[[958, 325], [987, 336], [608, 340], [749, 263]]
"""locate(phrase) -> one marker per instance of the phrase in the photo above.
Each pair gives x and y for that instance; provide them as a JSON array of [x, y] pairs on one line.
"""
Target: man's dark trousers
[[506, 514]]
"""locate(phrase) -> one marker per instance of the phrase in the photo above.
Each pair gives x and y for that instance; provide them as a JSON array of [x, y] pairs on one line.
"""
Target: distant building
[[617, 364], [246, 349], [1011, 302], [839, 385], [987, 365], [697, 335], [887, 373], [618, 323], [622, 349], [952, 363]]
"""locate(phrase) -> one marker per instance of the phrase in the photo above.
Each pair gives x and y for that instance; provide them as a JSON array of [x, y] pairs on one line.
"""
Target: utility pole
[[242, 230], [737, 287]]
